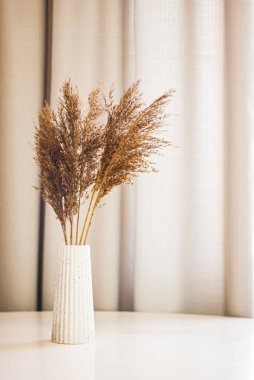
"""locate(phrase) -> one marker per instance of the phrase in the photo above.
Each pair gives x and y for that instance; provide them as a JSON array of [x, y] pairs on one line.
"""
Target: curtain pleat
[[180, 239], [22, 48], [240, 157]]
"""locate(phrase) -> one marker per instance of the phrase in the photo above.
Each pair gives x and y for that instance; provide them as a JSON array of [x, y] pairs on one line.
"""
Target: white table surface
[[130, 346]]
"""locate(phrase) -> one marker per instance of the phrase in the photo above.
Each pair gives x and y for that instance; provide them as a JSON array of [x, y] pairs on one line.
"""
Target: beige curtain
[[22, 31], [177, 241]]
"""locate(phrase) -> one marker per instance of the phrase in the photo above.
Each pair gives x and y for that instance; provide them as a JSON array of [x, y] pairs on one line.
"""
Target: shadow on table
[[27, 345]]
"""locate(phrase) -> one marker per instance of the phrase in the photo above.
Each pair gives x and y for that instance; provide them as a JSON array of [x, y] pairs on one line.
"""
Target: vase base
[[87, 341]]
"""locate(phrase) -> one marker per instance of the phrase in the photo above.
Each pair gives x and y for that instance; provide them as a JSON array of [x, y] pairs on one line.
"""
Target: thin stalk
[[77, 224], [65, 233], [71, 229], [78, 217], [90, 203], [91, 217], [87, 214], [96, 202]]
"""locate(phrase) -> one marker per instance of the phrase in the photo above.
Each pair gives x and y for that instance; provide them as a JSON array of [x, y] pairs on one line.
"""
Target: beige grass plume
[[83, 157]]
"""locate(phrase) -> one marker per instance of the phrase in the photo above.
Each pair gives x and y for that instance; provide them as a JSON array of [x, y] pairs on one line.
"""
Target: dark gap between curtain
[[46, 98]]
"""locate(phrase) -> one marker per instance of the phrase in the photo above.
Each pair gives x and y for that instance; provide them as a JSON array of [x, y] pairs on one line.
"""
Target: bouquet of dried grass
[[85, 157]]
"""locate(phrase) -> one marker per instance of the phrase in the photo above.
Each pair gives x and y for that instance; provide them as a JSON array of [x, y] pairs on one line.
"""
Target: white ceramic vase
[[73, 311]]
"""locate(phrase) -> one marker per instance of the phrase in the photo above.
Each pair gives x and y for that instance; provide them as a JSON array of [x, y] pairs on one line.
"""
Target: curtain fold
[[240, 160], [22, 55], [179, 240], [180, 220]]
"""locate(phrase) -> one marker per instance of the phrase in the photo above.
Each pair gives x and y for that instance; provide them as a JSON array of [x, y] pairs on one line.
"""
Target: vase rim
[[76, 245]]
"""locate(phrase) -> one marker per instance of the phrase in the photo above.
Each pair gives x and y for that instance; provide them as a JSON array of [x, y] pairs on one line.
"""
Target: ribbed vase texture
[[73, 311]]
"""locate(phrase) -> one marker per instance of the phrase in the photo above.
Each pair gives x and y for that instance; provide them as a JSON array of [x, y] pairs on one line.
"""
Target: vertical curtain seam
[[126, 290], [46, 98]]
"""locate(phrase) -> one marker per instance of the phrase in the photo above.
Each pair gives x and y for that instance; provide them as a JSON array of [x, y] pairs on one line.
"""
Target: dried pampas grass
[[82, 157]]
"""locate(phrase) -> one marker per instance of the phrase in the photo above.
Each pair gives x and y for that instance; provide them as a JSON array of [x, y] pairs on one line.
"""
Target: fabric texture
[[177, 241]]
